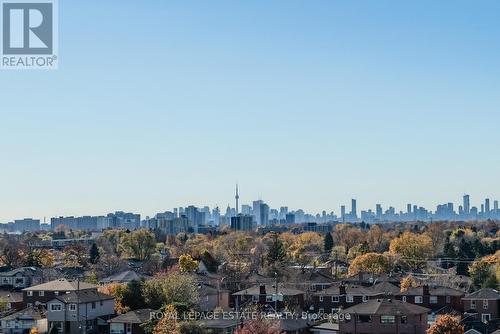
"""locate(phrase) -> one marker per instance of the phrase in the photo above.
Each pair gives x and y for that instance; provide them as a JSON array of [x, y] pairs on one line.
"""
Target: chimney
[[425, 290]]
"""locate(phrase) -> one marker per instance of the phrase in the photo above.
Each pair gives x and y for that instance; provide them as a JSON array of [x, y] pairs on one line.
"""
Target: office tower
[[342, 212], [487, 205], [466, 204], [256, 211], [378, 211], [408, 209], [354, 210], [237, 197], [264, 214], [246, 209], [283, 212], [242, 223]]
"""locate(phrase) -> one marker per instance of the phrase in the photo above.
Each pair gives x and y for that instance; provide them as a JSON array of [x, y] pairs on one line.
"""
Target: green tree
[[276, 252], [328, 242], [94, 254], [170, 288], [140, 244], [132, 295]]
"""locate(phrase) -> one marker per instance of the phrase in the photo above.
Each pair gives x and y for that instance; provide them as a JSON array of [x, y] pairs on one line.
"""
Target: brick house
[[482, 309], [382, 316], [341, 296], [437, 298]]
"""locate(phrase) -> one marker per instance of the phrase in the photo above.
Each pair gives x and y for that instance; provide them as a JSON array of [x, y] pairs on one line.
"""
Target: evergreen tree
[[94, 254], [277, 252], [328, 242], [132, 295]]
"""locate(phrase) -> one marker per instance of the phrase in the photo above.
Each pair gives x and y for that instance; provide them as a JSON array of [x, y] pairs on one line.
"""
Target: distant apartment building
[[173, 226], [118, 219], [26, 225]]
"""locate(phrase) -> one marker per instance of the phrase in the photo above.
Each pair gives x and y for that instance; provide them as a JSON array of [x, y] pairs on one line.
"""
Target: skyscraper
[[466, 204], [354, 210], [487, 205], [495, 206]]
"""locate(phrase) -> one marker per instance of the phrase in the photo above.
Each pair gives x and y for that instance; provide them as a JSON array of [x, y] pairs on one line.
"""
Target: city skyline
[[452, 210], [390, 102]]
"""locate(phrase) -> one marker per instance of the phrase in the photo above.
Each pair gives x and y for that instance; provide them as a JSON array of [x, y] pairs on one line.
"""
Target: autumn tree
[[413, 250], [139, 244], [37, 257], [116, 290], [408, 282], [10, 253], [259, 326], [75, 255], [369, 262], [187, 264], [109, 265], [446, 324], [168, 324]]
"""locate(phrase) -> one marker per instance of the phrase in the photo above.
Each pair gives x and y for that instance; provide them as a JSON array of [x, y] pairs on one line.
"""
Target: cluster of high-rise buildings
[[258, 213]]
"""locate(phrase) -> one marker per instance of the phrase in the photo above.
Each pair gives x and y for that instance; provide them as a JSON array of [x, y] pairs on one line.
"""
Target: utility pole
[[276, 295]]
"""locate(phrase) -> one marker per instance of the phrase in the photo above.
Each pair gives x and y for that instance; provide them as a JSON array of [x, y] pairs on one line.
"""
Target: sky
[[159, 104]]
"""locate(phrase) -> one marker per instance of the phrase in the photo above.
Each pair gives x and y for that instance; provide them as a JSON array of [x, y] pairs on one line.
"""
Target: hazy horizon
[[307, 104]]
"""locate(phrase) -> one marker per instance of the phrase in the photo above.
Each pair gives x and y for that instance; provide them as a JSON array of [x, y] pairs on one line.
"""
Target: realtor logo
[[29, 34]]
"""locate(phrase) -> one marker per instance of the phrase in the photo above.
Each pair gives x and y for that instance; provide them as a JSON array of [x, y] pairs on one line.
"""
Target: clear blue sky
[[159, 104]]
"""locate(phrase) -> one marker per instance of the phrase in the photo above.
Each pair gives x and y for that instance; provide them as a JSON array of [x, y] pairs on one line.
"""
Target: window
[[312, 287], [433, 299], [472, 304], [335, 299], [404, 299], [404, 319], [72, 307], [387, 319], [56, 307], [321, 310], [41, 293], [269, 298], [56, 293], [321, 298], [255, 298], [448, 299], [485, 304], [419, 299], [29, 305], [365, 299], [349, 299], [93, 305], [364, 318], [485, 317], [29, 293]]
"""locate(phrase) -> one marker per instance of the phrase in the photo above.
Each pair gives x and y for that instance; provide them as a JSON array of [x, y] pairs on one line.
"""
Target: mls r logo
[[27, 28]]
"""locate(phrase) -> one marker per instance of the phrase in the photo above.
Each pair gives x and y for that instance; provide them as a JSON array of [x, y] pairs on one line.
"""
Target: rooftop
[[61, 284], [386, 307]]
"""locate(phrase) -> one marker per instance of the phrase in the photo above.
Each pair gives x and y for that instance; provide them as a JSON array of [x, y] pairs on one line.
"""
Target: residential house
[[130, 322], [439, 299], [482, 310], [21, 277], [23, 321], [42, 293], [270, 296], [341, 296], [382, 316], [87, 309], [123, 277], [212, 297], [13, 298]]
